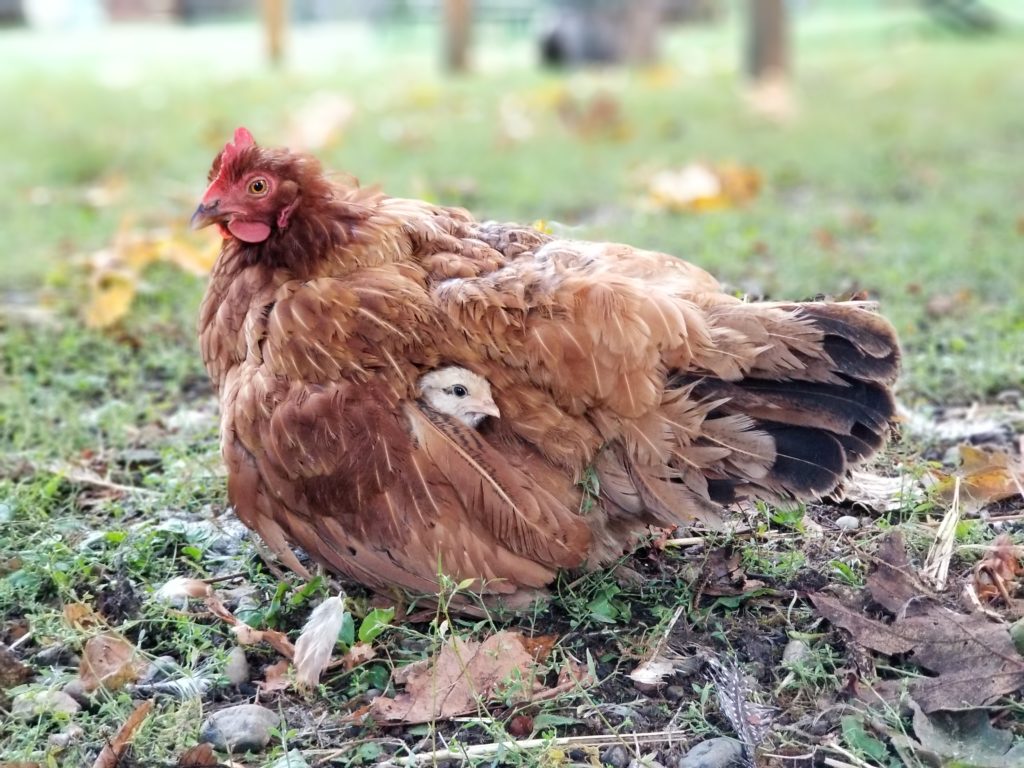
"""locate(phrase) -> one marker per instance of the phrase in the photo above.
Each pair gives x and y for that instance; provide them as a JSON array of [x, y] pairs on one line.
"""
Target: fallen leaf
[[12, 671], [319, 122], [108, 661], [985, 477], [110, 756], [599, 116], [111, 297], [962, 738], [465, 675], [973, 660], [995, 575], [248, 635], [199, 756], [275, 677], [316, 643], [698, 187], [360, 653]]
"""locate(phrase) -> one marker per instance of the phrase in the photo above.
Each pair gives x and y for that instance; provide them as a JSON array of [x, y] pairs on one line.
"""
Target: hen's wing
[[695, 397]]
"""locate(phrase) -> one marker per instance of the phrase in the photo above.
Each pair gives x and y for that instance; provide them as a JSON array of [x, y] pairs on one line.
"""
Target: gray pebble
[[796, 651], [237, 668], [245, 728], [720, 752], [32, 705], [76, 690], [293, 759], [676, 693], [616, 756], [847, 523]]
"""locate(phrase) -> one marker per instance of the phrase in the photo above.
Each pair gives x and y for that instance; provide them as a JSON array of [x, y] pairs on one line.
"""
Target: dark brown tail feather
[[819, 428]]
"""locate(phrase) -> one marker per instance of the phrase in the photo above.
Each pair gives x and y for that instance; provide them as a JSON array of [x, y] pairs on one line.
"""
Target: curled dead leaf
[[110, 662]]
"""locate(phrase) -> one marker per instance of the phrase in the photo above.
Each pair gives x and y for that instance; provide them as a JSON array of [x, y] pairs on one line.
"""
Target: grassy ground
[[902, 175]]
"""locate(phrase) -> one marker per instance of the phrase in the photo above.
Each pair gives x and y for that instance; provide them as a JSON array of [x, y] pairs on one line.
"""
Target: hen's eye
[[258, 187], [459, 391]]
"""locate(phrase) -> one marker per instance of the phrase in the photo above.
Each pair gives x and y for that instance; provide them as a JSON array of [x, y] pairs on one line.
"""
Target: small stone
[[237, 668], [56, 655], [1010, 396], [796, 651], [76, 690], [6, 513], [34, 704], [244, 728], [616, 756], [66, 737], [675, 693], [293, 759], [720, 752], [847, 523], [159, 669]]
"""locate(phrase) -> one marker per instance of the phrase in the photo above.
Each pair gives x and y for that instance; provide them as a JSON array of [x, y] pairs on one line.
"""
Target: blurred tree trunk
[[458, 25], [275, 20], [768, 53]]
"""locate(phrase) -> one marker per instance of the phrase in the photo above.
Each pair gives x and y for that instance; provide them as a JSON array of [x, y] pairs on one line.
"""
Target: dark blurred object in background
[[10, 13], [971, 16]]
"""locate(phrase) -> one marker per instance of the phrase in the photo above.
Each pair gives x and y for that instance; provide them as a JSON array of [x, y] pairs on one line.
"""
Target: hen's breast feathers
[[686, 398]]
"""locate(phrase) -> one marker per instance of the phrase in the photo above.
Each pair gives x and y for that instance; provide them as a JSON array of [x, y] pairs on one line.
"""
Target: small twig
[[486, 750], [23, 639], [991, 519], [82, 477], [936, 566]]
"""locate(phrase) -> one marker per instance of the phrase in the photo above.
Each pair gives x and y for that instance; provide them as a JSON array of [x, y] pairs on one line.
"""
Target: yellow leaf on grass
[[985, 477], [111, 298], [698, 187]]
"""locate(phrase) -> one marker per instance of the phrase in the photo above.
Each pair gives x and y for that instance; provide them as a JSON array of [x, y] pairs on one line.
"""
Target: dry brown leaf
[[360, 653], [199, 756], [108, 661], [275, 677], [12, 671], [465, 675], [248, 635], [973, 660], [995, 576], [110, 756]]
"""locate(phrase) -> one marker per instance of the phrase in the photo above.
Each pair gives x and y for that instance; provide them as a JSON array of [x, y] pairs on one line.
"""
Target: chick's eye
[[459, 391], [258, 187]]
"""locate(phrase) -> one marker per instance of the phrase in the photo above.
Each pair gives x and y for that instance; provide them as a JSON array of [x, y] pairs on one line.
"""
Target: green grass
[[903, 174]]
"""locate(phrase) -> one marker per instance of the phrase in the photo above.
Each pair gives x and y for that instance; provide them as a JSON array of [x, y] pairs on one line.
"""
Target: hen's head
[[254, 192], [459, 393]]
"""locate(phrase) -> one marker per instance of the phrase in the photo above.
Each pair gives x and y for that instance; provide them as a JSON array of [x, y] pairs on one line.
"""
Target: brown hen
[[329, 302]]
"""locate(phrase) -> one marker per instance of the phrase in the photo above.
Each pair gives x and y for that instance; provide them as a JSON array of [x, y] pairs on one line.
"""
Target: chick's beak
[[205, 215], [487, 407]]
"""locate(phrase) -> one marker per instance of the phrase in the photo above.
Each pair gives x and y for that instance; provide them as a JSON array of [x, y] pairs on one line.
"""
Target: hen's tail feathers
[[833, 410]]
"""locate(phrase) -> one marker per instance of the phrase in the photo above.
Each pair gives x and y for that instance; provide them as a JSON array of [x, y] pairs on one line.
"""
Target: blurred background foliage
[[882, 151]]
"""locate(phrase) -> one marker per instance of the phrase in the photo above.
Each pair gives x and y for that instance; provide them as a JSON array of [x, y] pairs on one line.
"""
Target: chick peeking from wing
[[459, 393]]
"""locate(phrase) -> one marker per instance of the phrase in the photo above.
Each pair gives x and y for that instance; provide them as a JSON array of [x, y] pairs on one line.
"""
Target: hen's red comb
[[242, 140]]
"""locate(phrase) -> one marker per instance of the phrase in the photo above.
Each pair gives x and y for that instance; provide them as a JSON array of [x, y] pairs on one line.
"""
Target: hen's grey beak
[[205, 215]]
